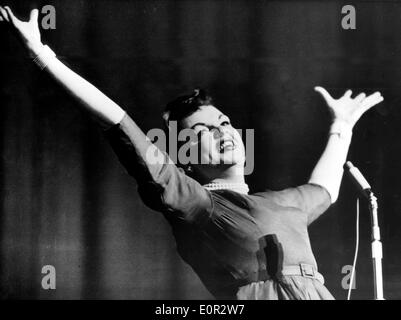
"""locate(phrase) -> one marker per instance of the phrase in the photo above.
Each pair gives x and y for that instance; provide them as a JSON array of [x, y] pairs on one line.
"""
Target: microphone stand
[[377, 253]]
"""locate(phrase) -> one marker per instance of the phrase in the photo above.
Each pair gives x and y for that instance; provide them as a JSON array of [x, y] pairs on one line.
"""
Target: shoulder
[[301, 196]]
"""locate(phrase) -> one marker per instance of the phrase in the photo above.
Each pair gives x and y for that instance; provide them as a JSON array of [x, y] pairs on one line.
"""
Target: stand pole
[[377, 253]]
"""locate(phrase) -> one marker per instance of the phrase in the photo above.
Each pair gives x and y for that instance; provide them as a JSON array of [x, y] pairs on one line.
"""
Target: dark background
[[67, 202]]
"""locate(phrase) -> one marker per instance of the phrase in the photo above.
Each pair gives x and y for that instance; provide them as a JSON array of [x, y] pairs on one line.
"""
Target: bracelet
[[42, 59], [342, 129]]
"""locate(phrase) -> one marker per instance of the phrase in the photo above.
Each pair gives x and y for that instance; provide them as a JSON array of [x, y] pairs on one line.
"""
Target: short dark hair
[[185, 105]]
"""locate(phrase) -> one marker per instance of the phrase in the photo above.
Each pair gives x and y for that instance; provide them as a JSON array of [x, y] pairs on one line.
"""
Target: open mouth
[[226, 145]]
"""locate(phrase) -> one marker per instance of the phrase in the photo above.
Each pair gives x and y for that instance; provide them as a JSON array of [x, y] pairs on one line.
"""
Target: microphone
[[358, 179]]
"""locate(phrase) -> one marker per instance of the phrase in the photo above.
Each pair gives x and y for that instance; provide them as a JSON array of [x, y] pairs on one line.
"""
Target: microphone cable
[[356, 251]]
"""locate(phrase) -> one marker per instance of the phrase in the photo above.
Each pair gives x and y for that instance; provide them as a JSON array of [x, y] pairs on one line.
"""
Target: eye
[[201, 130], [226, 123]]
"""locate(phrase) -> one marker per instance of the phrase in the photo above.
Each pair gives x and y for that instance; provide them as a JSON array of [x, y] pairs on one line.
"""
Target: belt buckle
[[307, 270]]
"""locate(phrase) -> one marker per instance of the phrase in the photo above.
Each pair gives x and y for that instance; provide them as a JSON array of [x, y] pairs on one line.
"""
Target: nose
[[218, 132]]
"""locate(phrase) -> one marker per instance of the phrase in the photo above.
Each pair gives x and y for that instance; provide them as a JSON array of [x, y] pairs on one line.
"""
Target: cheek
[[208, 146], [238, 140]]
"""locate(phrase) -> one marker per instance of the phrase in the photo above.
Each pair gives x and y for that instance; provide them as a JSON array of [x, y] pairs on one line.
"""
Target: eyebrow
[[204, 124], [198, 124]]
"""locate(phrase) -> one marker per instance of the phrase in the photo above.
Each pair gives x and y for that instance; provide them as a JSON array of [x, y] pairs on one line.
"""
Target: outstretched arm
[[162, 185], [345, 111], [104, 110]]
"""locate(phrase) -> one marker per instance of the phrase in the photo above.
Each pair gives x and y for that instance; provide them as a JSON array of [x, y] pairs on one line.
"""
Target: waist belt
[[303, 269]]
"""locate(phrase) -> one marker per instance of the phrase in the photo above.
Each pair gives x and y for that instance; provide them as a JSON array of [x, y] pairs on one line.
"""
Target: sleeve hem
[[325, 189]]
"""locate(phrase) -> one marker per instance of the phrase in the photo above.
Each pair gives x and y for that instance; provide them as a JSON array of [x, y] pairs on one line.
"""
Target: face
[[219, 145]]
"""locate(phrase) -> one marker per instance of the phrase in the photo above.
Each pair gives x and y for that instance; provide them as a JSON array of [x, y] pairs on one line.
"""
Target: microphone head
[[358, 179], [348, 165]]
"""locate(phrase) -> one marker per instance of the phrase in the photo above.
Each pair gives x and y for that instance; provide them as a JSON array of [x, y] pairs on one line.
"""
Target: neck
[[229, 179], [234, 174]]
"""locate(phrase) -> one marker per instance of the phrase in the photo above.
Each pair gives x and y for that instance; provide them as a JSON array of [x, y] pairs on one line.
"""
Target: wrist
[[42, 56], [34, 48], [341, 128]]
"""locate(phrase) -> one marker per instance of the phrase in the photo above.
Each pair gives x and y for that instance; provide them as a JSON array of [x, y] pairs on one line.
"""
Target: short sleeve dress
[[237, 244]]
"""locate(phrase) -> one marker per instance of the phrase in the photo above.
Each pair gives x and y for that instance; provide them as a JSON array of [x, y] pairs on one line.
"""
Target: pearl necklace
[[239, 187]]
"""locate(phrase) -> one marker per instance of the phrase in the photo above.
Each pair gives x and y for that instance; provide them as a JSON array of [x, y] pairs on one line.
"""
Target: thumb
[[33, 17], [324, 94]]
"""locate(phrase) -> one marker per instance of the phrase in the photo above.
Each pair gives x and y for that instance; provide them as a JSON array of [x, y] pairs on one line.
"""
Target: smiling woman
[[218, 146], [241, 245]]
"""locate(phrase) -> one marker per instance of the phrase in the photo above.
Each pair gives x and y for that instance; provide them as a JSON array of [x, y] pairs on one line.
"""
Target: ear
[[166, 116]]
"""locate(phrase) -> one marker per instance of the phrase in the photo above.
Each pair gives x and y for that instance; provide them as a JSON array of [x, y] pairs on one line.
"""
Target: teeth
[[226, 144]]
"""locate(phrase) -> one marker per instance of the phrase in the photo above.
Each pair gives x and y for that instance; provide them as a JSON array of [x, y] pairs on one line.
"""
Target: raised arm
[[104, 110], [162, 185], [345, 111]]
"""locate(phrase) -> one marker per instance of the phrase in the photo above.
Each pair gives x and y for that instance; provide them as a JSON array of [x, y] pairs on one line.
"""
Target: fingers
[[324, 94], [371, 101], [34, 15], [360, 97], [11, 16], [4, 15], [347, 94]]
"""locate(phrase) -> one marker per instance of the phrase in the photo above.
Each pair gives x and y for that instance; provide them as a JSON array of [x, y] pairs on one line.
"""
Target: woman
[[242, 246]]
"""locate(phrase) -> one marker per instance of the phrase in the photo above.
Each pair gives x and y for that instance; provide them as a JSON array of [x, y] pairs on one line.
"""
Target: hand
[[346, 109], [28, 32]]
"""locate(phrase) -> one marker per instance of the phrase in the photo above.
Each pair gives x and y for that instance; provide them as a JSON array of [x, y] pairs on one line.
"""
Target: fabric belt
[[303, 269]]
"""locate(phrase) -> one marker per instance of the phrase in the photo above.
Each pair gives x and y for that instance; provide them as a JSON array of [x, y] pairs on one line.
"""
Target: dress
[[237, 244]]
